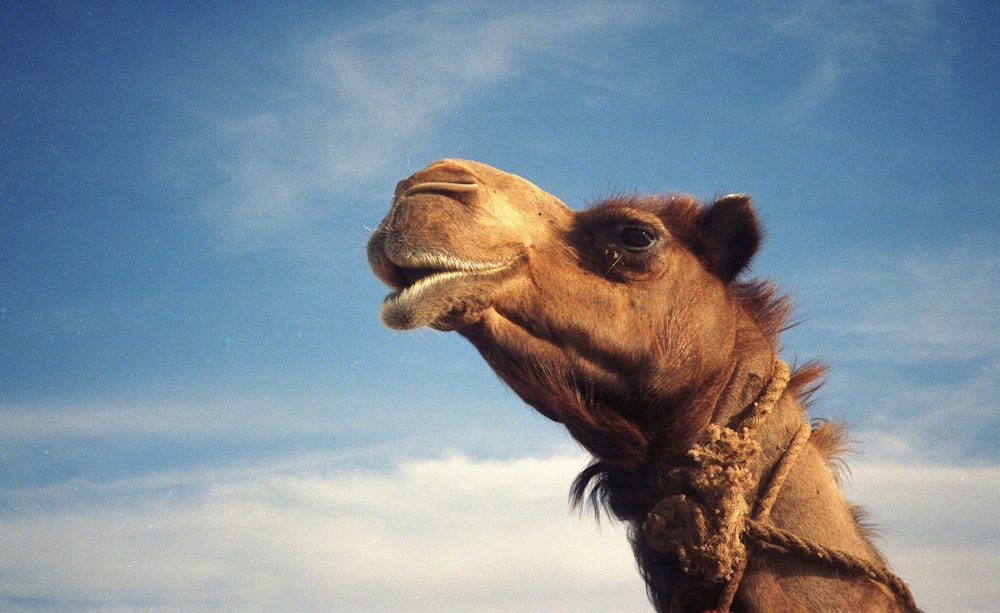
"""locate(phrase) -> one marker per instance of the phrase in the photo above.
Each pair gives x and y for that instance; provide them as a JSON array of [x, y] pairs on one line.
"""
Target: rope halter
[[707, 528]]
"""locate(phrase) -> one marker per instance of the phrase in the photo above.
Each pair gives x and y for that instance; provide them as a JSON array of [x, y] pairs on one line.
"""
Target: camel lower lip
[[434, 297]]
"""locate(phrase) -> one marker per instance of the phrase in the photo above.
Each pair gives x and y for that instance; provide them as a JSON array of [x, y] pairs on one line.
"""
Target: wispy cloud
[[839, 40], [913, 338], [932, 302], [360, 100], [812, 93]]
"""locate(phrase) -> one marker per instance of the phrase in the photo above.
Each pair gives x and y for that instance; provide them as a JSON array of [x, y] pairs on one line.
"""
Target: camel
[[632, 324]]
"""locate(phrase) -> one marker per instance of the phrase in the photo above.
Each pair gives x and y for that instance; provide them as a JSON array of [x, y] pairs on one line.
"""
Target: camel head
[[613, 320], [627, 323]]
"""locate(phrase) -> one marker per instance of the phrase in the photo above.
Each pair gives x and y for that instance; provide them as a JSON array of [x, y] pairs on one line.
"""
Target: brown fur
[[628, 323]]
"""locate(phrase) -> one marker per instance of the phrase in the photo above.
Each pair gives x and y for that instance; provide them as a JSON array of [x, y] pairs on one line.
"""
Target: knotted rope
[[708, 529]]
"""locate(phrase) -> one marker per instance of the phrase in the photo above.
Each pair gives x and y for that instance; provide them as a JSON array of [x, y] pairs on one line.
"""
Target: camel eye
[[636, 238]]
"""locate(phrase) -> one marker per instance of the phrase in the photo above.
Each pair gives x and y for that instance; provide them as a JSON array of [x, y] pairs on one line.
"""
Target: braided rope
[[783, 540], [764, 505], [762, 407], [708, 534]]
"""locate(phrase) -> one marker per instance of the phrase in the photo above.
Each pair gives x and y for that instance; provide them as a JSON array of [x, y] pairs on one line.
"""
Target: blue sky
[[199, 409]]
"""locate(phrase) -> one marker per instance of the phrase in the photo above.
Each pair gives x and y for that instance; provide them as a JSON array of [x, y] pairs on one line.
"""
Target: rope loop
[[705, 530]]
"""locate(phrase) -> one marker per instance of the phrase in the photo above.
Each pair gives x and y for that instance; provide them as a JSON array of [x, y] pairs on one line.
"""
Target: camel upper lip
[[423, 271], [404, 271]]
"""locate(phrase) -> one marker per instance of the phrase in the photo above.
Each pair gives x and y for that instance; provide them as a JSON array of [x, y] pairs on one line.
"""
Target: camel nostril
[[447, 178], [447, 171], [442, 188], [466, 193]]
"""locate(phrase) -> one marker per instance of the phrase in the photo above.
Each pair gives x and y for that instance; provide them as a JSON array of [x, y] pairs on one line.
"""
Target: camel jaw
[[435, 290]]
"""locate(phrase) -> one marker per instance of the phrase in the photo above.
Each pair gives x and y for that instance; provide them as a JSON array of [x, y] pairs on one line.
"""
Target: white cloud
[[938, 527], [434, 535], [449, 534]]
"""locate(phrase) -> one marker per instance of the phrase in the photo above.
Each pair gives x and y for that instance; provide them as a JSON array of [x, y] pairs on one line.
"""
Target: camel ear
[[733, 235]]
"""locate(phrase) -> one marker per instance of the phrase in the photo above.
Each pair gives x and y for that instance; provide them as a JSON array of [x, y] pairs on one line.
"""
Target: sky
[[200, 411]]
